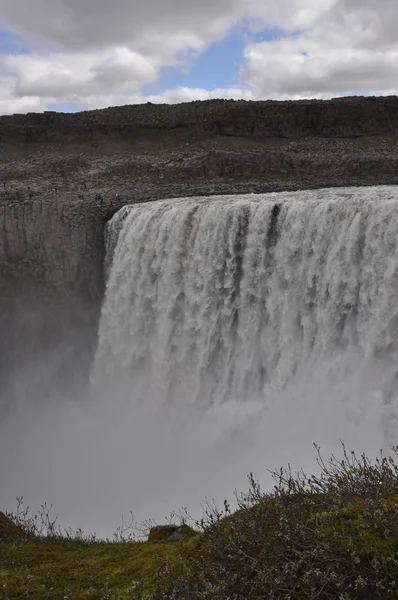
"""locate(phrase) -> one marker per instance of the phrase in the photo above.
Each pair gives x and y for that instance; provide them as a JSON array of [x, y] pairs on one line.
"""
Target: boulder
[[169, 533]]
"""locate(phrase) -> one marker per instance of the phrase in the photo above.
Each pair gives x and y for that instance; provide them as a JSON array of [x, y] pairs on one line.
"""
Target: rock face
[[50, 286], [58, 173], [170, 533], [340, 117]]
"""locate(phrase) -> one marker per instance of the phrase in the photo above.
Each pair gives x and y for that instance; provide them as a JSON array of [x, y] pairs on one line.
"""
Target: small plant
[[349, 477], [126, 532], [325, 537]]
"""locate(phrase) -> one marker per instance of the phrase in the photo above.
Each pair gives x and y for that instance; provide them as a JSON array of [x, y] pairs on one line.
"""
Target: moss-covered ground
[[334, 537], [56, 568]]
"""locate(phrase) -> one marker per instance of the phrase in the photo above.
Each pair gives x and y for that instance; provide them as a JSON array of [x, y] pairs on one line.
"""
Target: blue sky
[[11, 43], [60, 55], [218, 67], [64, 108]]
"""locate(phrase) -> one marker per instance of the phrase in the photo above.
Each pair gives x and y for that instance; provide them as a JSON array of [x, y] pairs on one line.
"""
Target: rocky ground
[[160, 164], [155, 151]]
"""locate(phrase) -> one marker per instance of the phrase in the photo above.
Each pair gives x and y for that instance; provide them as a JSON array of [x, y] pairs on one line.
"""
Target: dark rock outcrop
[[339, 117], [170, 533]]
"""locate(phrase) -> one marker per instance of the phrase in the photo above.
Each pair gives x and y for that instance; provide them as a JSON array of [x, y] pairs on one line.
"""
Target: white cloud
[[86, 49], [109, 78], [9, 104], [289, 15], [170, 96], [92, 23], [58, 75], [96, 53], [351, 47]]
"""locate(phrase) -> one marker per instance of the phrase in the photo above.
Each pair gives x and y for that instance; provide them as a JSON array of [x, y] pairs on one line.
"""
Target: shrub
[[326, 537]]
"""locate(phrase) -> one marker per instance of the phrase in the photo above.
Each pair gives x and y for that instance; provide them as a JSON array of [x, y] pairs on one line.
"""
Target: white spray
[[235, 331], [222, 299]]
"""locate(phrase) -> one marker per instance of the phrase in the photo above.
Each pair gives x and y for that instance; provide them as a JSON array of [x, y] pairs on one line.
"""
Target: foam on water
[[228, 299]]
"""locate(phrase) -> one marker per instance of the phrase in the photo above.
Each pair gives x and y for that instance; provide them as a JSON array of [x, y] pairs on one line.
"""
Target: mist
[[212, 364], [94, 458]]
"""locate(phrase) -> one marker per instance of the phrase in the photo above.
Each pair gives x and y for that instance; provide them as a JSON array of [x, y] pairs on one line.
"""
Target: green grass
[[36, 568], [331, 537]]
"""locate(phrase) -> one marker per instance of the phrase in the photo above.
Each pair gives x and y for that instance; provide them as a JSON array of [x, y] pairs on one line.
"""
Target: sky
[[70, 55]]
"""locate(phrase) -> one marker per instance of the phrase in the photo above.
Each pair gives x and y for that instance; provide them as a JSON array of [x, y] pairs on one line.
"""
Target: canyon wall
[[58, 173], [339, 117]]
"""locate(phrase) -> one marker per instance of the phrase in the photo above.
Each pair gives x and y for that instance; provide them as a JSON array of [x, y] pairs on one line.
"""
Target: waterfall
[[235, 332], [230, 297]]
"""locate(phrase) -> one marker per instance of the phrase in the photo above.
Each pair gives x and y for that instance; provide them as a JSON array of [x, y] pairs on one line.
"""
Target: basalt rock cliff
[[58, 173]]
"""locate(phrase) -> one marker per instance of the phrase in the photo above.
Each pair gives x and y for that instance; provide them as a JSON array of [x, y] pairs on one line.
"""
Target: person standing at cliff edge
[[117, 197]]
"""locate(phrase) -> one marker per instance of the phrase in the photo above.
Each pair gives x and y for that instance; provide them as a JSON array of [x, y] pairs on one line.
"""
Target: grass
[[39, 568], [330, 537]]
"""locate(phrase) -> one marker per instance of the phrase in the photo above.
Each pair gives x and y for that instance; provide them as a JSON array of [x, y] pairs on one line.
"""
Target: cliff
[[59, 171], [339, 117]]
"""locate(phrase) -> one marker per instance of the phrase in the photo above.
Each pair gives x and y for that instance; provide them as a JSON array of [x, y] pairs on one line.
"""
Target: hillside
[[325, 537]]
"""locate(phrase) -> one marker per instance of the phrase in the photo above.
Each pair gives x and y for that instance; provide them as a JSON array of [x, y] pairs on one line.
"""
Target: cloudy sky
[[79, 54]]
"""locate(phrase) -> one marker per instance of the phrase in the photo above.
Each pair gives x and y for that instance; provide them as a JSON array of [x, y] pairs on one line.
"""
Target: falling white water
[[235, 332], [228, 299]]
